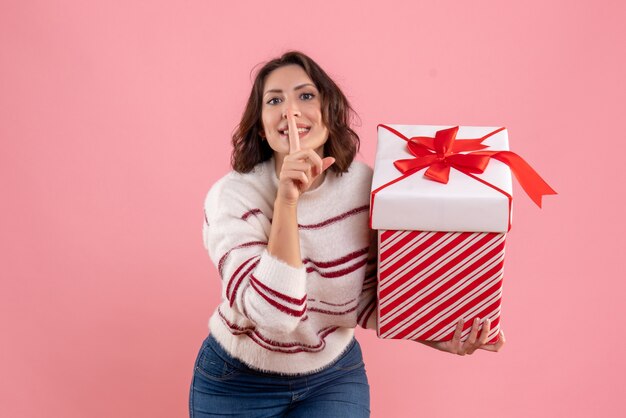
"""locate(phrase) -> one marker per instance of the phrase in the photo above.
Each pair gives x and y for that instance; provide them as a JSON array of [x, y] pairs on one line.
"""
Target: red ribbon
[[443, 151]]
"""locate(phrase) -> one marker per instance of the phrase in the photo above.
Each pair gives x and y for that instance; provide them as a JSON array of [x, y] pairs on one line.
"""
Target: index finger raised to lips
[[294, 138]]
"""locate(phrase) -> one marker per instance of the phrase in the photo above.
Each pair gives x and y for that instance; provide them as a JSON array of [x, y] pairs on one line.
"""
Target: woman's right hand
[[473, 343], [300, 167]]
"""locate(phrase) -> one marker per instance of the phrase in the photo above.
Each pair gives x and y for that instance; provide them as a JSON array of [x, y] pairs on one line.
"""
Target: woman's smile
[[302, 132]]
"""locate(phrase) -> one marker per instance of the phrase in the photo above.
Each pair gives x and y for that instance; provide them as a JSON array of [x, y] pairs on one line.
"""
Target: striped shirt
[[273, 316]]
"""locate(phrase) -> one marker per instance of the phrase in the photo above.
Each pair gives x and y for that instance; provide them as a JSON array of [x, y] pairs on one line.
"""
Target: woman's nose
[[295, 112]]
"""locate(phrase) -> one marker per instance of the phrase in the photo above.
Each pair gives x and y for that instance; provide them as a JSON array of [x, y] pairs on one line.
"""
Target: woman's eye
[[307, 96], [272, 102]]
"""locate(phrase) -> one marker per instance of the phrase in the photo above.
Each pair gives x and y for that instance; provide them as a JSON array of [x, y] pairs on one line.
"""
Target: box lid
[[419, 203]]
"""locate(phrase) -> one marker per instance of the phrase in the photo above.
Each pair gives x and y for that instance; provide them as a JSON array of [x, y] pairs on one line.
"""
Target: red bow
[[443, 151]]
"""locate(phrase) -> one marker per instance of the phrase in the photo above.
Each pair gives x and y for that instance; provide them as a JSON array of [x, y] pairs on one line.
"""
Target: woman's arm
[[262, 276], [298, 171], [256, 285], [284, 239]]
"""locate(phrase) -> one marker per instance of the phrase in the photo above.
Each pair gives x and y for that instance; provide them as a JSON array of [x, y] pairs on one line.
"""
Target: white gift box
[[441, 245]]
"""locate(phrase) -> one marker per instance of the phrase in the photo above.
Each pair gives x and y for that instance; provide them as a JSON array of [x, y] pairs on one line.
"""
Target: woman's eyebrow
[[295, 88]]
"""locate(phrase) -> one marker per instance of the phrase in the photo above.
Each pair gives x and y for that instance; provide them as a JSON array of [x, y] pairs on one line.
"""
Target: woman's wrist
[[284, 239], [285, 203]]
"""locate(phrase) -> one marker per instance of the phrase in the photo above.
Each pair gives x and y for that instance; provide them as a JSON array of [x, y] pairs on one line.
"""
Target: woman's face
[[290, 88]]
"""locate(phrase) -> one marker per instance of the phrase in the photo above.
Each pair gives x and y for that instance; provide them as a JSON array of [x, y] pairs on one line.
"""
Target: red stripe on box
[[484, 311], [391, 251], [425, 264], [425, 300], [478, 260], [473, 300], [446, 330], [429, 319], [418, 247], [421, 252], [471, 259], [454, 285]]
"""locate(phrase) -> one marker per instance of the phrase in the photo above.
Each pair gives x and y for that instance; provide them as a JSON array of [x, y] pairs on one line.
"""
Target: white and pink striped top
[[275, 317]]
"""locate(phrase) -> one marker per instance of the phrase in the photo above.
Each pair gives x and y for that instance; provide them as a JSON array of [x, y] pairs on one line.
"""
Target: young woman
[[288, 232]]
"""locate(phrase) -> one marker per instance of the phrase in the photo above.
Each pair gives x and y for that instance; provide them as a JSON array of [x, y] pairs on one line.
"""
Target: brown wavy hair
[[343, 143]]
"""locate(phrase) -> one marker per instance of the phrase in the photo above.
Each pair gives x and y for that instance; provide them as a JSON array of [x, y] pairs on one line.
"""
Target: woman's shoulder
[[239, 188], [359, 175], [349, 189], [360, 169]]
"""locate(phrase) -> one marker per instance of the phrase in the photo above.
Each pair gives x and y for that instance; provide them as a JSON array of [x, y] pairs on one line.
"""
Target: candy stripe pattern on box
[[428, 280]]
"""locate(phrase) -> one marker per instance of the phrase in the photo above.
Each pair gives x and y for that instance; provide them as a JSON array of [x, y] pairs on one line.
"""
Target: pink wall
[[115, 119]]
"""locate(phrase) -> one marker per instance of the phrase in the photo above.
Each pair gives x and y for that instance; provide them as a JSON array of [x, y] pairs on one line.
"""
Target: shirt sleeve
[[257, 285], [367, 310]]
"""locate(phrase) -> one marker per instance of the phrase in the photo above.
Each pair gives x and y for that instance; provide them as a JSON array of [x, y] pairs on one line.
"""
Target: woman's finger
[[497, 346], [484, 335], [456, 338], [303, 166], [297, 176], [294, 138], [300, 164], [327, 162], [474, 332], [470, 343], [307, 155]]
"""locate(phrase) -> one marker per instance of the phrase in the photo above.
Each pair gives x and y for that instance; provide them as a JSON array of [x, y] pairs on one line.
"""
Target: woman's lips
[[300, 135]]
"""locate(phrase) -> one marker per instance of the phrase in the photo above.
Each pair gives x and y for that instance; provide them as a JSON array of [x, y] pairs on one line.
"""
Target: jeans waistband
[[227, 357]]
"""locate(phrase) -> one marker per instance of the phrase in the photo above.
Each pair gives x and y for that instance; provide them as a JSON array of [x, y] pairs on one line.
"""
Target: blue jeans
[[224, 386]]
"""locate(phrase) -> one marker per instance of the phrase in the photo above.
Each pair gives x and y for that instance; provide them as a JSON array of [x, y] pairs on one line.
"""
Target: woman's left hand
[[473, 342]]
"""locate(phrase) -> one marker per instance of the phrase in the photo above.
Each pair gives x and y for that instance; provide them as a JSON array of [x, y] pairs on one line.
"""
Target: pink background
[[115, 119]]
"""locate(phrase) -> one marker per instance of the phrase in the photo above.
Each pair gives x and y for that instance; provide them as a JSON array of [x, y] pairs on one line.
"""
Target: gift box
[[442, 204]]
